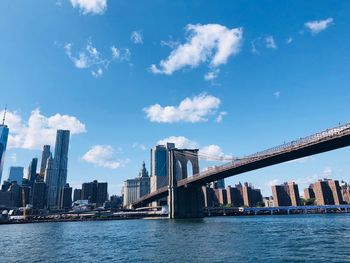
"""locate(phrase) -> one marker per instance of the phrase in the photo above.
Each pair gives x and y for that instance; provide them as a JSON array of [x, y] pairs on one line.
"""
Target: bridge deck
[[328, 140]]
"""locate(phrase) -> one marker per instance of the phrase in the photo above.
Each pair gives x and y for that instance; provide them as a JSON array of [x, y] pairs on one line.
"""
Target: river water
[[289, 238]]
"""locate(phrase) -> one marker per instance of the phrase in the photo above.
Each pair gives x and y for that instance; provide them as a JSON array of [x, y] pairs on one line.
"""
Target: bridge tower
[[185, 202]]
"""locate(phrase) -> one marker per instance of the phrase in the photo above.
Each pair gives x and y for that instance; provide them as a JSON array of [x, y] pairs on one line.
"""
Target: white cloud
[[136, 37], [211, 43], [94, 7], [273, 182], [120, 54], [317, 26], [195, 109], [209, 153], [89, 57], [214, 152], [211, 75], [277, 95], [39, 129], [220, 117], [104, 156], [139, 146], [289, 40], [181, 142], [270, 42]]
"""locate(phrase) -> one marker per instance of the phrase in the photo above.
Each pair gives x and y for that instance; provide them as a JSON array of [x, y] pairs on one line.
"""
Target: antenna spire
[[3, 119]]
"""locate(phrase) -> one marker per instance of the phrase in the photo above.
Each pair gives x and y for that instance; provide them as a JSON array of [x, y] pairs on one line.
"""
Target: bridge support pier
[[185, 202]]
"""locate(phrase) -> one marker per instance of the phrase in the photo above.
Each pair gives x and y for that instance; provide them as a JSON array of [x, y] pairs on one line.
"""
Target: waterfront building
[[65, 202], [44, 156], [4, 132], [309, 192], [251, 196], [336, 191], [77, 195], [209, 196], [345, 191], [221, 196], [234, 196], [286, 194], [39, 195], [268, 201], [135, 188], [102, 193], [327, 192], [16, 174], [95, 192], [31, 172]]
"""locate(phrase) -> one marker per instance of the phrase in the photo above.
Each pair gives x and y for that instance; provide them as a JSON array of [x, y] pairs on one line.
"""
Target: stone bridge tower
[[185, 202]]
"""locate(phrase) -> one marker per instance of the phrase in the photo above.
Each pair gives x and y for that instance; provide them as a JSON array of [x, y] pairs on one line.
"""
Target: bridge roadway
[[325, 141]]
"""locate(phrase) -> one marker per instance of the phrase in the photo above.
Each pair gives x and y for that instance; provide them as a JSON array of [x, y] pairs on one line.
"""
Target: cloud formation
[[120, 54], [88, 57], [212, 43], [94, 7], [136, 37], [270, 42], [104, 156], [318, 26], [39, 129], [181, 142], [195, 109]]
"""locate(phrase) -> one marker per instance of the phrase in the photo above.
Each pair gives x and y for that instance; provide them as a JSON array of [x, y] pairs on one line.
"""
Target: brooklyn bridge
[[185, 199]]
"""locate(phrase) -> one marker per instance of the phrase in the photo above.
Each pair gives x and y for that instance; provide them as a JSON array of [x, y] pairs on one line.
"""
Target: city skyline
[[291, 95]]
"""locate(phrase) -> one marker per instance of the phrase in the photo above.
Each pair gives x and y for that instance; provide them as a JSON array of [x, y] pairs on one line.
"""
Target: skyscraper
[[16, 174], [4, 133], [44, 156], [51, 183], [159, 165], [65, 201], [39, 195], [61, 156], [133, 189], [31, 176], [56, 169]]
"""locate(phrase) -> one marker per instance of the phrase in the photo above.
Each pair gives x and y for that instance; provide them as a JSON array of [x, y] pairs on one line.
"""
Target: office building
[[51, 183], [61, 157], [46, 153], [102, 194], [31, 173], [94, 192], [16, 174], [77, 195], [135, 188], [209, 196], [39, 195], [160, 165], [65, 202], [4, 132], [268, 201]]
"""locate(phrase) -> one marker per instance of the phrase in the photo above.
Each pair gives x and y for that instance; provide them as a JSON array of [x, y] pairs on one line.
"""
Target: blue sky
[[231, 78]]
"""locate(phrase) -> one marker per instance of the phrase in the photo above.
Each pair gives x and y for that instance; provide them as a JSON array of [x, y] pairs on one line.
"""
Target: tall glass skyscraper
[[4, 133], [56, 169], [61, 156], [44, 156], [16, 174]]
